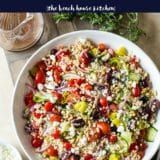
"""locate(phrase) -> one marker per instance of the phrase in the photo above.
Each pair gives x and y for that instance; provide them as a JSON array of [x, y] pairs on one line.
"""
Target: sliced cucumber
[[121, 146], [134, 77], [127, 136], [151, 133]]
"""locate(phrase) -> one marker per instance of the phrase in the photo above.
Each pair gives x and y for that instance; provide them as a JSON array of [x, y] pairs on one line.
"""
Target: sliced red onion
[[42, 148], [30, 87]]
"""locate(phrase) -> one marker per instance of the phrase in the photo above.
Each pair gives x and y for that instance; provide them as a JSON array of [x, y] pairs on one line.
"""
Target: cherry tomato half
[[41, 65], [88, 157], [37, 115], [60, 55], [94, 135], [101, 47], [57, 76], [88, 87], [48, 106], [40, 77], [55, 117], [113, 138], [51, 151], [67, 146], [104, 127], [103, 101], [136, 91], [57, 95], [56, 134], [28, 99], [36, 142]]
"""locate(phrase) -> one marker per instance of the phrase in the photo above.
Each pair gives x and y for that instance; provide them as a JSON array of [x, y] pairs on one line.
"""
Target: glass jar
[[19, 31]]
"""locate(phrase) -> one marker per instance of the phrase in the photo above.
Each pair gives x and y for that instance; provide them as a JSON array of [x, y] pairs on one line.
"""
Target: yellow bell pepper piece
[[95, 51], [122, 51], [81, 106], [53, 158], [114, 156], [114, 119]]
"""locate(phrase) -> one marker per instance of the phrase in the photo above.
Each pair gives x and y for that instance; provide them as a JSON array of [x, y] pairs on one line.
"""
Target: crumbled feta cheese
[[134, 84], [40, 86], [120, 129], [109, 98], [72, 131]]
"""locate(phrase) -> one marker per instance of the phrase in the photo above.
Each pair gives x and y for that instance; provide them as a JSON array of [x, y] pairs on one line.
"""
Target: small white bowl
[[111, 40], [5, 147]]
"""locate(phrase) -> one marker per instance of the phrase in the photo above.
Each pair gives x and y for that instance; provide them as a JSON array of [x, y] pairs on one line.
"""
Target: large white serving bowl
[[110, 39]]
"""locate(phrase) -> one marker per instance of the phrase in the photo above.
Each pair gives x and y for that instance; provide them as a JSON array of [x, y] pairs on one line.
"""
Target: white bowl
[[110, 39]]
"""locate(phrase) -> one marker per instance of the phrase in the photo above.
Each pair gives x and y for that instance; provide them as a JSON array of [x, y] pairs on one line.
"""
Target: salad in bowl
[[88, 101]]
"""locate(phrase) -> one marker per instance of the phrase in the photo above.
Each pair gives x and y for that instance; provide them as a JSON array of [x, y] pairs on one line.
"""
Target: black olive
[[155, 105], [25, 114], [101, 87], [144, 83], [53, 51], [95, 114], [28, 128], [74, 157], [113, 128], [77, 123], [144, 99], [109, 77]]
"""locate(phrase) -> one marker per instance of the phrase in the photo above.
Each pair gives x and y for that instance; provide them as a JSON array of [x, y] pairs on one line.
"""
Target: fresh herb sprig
[[125, 24]]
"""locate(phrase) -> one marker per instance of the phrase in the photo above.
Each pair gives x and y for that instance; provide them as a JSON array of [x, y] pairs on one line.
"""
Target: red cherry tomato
[[57, 95], [113, 107], [88, 157], [104, 127], [51, 151], [55, 117], [67, 146], [40, 77], [103, 102], [56, 134], [94, 135], [57, 76], [28, 99], [101, 47], [36, 142], [61, 54], [136, 91], [41, 65], [113, 138], [48, 106], [85, 58], [74, 82], [37, 115], [71, 83], [88, 87], [134, 147]]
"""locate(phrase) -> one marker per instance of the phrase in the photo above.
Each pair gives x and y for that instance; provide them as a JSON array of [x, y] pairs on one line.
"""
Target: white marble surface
[[7, 133]]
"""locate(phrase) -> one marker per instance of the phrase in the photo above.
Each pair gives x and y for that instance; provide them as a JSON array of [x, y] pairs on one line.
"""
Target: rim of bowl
[[56, 39]]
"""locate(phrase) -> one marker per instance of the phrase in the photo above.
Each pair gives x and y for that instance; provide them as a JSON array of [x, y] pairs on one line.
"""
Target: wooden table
[[150, 22]]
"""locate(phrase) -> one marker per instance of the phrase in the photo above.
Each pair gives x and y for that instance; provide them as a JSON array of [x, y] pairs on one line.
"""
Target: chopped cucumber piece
[[151, 133], [134, 77], [127, 136], [121, 146]]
